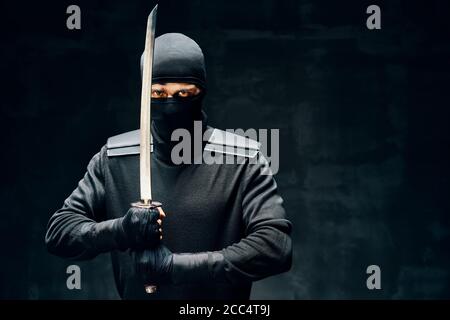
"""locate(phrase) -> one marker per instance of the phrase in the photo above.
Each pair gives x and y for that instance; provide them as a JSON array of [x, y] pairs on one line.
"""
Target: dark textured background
[[363, 118]]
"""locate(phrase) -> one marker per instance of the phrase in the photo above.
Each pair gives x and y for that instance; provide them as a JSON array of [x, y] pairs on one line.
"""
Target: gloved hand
[[140, 228], [154, 266], [160, 266]]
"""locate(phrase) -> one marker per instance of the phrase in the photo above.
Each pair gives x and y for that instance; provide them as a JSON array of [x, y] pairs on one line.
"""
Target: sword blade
[[145, 156]]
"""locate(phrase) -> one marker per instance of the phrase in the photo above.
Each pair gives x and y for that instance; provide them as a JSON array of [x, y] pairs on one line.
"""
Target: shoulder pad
[[124, 144], [230, 143]]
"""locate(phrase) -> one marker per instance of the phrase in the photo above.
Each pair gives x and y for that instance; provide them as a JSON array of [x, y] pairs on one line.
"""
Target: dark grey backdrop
[[363, 118]]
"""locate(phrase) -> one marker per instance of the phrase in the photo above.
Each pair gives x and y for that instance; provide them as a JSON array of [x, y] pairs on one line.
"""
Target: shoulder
[[123, 144], [238, 143], [231, 142]]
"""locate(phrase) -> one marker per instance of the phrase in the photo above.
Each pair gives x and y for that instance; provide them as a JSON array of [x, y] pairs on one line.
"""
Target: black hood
[[177, 58]]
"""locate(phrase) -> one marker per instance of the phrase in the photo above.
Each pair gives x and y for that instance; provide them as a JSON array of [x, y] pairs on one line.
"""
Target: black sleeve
[[75, 230], [265, 250]]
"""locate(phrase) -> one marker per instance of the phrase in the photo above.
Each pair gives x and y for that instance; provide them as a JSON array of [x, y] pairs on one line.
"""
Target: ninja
[[220, 227]]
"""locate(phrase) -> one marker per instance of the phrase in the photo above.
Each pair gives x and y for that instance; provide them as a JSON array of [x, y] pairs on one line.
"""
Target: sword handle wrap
[[150, 204]]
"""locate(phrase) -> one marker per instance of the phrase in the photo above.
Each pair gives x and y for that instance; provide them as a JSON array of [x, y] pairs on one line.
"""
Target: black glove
[[139, 228], [161, 266], [154, 266]]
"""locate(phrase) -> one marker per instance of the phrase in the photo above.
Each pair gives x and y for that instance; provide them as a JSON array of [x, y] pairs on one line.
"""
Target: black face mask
[[175, 113]]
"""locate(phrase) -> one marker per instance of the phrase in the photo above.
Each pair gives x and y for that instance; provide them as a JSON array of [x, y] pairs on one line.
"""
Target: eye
[[183, 93], [156, 93]]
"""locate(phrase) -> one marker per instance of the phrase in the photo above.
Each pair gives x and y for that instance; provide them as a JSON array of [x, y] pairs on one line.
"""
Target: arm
[[76, 231], [71, 231], [265, 250]]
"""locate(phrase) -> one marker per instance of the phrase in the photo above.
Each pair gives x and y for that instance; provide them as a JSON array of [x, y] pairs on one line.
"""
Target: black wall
[[363, 118]]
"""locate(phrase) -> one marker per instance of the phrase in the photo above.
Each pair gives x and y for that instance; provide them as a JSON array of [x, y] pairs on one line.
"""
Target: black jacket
[[229, 208]]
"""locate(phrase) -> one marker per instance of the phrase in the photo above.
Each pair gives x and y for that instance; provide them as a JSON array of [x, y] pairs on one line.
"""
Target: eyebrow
[[190, 88]]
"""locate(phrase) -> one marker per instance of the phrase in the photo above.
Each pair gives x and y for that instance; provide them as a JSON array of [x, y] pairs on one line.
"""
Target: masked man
[[224, 226]]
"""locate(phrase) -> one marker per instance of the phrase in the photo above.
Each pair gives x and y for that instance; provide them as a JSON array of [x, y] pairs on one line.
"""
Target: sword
[[145, 175]]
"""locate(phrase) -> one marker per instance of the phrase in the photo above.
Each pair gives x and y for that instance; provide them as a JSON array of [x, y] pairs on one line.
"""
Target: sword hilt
[[148, 204]]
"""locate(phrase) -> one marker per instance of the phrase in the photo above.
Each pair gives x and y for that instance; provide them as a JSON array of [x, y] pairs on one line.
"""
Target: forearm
[[74, 236], [71, 233], [265, 252]]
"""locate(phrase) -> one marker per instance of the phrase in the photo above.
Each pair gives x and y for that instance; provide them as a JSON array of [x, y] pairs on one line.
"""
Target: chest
[[202, 202]]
